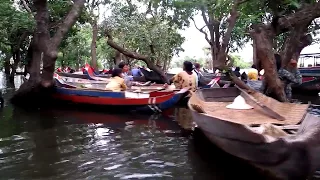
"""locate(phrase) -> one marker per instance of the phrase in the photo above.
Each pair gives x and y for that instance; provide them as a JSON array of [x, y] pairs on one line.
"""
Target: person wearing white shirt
[[197, 72]]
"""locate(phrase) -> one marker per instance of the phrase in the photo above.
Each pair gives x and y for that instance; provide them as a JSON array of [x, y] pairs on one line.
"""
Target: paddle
[[265, 109]]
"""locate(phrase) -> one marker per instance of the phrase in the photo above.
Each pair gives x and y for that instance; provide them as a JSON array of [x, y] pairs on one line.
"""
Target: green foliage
[[13, 22], [137, 31], [237, 61], [178, 63]]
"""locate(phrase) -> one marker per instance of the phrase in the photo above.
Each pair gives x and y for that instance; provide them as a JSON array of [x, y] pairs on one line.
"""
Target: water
[[72, 144]]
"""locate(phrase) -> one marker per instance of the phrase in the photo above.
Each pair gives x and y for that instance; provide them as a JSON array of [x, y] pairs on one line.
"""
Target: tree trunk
[[17, 59], [28, 58], [94, 44], [7, 65], [46, 47], [295, 42], [117, 58], [264, 42], [254, 57]]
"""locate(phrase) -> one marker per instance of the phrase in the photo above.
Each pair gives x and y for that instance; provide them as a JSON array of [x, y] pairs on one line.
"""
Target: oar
[[265, 109]]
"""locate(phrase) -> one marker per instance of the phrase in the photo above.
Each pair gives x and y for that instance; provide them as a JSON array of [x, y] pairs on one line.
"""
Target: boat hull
[[310, 71], [309, 85], [284, 157], [155, 102]]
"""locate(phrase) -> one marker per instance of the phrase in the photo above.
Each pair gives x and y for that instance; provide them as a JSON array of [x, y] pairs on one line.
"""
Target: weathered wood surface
[[291, 157]]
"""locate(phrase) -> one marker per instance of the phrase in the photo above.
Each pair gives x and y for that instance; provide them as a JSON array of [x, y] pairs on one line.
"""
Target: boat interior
[[213, 102], [135, 92]]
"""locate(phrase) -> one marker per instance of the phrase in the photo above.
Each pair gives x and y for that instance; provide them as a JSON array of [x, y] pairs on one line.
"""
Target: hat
[[239, 103]]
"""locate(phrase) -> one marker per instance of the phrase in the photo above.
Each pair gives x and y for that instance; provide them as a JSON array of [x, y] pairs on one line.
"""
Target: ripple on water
[[141, 176]]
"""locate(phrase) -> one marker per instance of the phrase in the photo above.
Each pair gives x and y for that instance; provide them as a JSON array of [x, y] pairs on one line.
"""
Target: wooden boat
[[309, 85], [73, 75], [310, 71], [144, 100], [85, 83], [254, 137]]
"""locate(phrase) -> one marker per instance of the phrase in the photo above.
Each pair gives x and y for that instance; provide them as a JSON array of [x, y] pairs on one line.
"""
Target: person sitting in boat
[[197, 72], [253, 73], [237, 72], [117, 83], [125, 69], [289, 76], [185, 78], [136, 72]]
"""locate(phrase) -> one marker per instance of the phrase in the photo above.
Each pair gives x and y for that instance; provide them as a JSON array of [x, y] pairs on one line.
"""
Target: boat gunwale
[[181, 91], [200, 95]]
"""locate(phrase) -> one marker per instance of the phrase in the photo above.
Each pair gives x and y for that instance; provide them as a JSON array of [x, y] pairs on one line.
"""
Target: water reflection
[[63, 144]]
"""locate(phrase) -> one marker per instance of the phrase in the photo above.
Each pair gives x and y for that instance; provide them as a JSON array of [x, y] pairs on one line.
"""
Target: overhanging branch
[[202, 31], [306, 14], [68, 22], [124, 51]]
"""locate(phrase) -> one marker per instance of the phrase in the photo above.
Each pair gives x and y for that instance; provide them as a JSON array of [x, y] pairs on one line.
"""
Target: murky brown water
[[72, 144]]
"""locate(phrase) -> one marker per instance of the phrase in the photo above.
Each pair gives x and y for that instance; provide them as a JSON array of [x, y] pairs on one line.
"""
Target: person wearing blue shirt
[[136, 72]]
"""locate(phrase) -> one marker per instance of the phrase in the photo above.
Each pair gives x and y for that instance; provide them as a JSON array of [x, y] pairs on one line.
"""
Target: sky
[[195, 42]]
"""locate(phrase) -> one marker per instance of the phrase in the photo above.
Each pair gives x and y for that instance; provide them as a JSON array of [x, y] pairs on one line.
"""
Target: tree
[[220, 18], [237, 61], [16, 27], [286, 18], [45, 45], [150, 36]]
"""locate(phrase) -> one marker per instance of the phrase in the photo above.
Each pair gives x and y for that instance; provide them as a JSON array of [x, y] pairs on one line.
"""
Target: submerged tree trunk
[[94, 44], [45, 48]]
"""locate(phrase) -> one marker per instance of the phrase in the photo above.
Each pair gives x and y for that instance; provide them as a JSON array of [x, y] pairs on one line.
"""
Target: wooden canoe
[[73, 75], [284, 155], [92, 84], [309, 85], [154, 101]]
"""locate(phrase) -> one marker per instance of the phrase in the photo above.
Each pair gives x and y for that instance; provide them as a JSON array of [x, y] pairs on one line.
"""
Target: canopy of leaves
[[13, 22], [138, 31]]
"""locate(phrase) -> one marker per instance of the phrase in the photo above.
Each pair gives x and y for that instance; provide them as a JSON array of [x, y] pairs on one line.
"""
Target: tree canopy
[[67, 32]]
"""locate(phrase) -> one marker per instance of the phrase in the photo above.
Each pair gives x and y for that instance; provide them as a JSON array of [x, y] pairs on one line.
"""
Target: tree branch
[[202, 31], [131, 7], [231, 23], [306, 14], [124, 51], [295, 42], [68, 22], [203, 14], [137, 56], [25, 5], [149, 9]]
